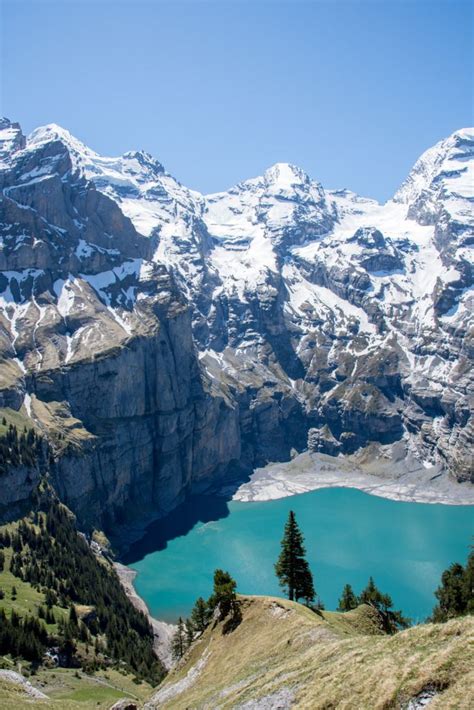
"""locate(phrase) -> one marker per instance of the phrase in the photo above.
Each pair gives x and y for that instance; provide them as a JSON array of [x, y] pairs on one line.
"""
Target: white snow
[[302, 293], [285, 175], [449, 164], [20, 364], [65, 294], [236, 237], [27, 403]]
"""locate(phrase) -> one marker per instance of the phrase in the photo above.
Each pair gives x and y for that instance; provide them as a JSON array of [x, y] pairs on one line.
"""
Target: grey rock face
[[164, 341]]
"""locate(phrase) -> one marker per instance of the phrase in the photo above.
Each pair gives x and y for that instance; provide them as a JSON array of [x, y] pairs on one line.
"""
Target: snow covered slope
[[312, 310]]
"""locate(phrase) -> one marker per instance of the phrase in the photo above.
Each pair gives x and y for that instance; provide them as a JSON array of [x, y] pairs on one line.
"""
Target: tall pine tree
[[178, 642], [292, 568], [200, 615]]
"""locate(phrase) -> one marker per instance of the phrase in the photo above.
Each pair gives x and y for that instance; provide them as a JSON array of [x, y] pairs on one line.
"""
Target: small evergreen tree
[[456, 593], [223, 595], [178, 642], [393, 619], [50, 598], [372, 595], [348, 599], [200, 615], [189, 632], [73, 620], [469, 583], [292, 568]]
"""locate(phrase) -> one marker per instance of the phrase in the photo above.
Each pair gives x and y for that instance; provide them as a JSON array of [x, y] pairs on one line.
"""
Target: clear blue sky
[[352, 91]]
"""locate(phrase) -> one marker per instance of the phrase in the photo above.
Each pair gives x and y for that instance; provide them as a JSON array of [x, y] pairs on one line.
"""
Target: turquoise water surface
[[349, 536]]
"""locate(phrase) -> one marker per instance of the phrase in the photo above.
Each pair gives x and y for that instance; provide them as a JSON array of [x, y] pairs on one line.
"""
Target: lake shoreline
[[162, 630], [387, 472], [404, 479]]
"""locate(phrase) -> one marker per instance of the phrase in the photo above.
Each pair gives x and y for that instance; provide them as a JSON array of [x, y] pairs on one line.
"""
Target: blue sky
[[351, 91]]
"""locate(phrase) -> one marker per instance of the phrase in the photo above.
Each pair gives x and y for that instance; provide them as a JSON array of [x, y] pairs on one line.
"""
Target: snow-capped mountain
[[244, 318]]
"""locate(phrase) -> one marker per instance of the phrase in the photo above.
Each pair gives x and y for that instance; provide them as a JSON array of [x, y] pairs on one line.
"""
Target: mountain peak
[[285, 175], [51, 133], [464, 134], [445, 162], [11, 138], [144, 160]]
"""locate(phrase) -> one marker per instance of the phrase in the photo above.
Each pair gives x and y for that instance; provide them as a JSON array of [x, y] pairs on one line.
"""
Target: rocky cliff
[[163, 341]]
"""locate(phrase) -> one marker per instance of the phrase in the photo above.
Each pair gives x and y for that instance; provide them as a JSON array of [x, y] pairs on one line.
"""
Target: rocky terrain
[[163, 341]]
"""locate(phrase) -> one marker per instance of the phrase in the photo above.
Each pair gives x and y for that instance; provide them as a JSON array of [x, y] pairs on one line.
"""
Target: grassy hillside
[[67, 689], [286, 654], [65, 620]]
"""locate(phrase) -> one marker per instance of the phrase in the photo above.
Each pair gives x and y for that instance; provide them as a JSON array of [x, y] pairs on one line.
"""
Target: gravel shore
[[403, 478], [162, 631]]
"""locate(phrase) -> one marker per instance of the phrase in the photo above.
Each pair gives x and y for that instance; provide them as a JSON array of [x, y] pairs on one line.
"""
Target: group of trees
[[23, 637], [29, 638], [222, 604], [392, 619], [295, 577], [16, 449], [57, 561]]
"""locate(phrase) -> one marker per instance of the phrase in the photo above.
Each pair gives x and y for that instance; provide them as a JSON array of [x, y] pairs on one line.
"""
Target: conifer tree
[[393, 619], [178, 642], [372, 595], [73, 615], [292, 568], [469, 583], [456, 592], [200, 615], [348, 599], [189, 632], [223, 595]]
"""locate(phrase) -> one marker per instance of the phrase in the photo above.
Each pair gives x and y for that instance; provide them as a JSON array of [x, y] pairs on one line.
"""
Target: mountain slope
[[163, 341], [283, 655]]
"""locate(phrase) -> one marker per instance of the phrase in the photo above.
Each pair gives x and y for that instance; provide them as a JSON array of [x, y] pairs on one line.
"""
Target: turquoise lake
[[349, 535]]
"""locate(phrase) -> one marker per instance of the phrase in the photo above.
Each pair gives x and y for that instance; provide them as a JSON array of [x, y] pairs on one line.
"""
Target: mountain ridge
[[174, 339]]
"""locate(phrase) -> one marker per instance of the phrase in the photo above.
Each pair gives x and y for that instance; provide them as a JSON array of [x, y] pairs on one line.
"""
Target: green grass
[[87, 692], [67, 691], [16, 418], [326, 660]]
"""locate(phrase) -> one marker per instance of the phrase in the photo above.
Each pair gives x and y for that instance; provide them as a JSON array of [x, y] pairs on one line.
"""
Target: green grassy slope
[[285, 653], [102, 677], [67, 689]]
